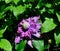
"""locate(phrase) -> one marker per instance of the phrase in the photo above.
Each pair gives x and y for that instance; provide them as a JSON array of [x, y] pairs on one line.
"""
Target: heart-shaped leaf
[[5, 44], [48, 25], [18, 10], [39, 45], [21, 46]]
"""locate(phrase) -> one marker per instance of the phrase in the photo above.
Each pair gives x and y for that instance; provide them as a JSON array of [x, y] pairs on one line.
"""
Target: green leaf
[[57, 35], [16, 1], [58, 16], [39, 45], [43, 10], [39, 4], [21, 46], [8, 1], [18, 10], [50, 11], [24, 0], [2, 30], [2, 15], [47, 46], [48, 25], [58, 3], [9, 8], [5, 44], [57, 38], [48, 5]]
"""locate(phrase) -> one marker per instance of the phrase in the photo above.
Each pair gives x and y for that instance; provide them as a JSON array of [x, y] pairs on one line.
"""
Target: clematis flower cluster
[[28, 28]]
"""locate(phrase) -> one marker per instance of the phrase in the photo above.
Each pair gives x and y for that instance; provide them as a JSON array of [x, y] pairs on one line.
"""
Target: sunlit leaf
[[48, 25], [8, 1], [2, 30], [39, 45], [51, 11], [9, 8], [48, 5], [57, 39], [40, 3], [19, 10], [21, 46], [58, 16], [5, 44], [57, 35], [16, 1], [24, 0], [43, 10]]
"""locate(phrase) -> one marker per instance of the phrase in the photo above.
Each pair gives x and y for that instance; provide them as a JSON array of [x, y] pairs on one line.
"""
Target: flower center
[[26, 25]]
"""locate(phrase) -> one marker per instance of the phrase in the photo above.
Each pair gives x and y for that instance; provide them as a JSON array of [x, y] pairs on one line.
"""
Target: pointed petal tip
[[30, 43], [37, 35]]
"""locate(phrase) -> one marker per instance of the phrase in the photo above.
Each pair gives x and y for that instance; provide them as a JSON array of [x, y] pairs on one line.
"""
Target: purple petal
[[22, 34], [17, 39], [37, 35], [19, 30], [23, 21], [38, 26], [36, 18], [28, 34], [30, 43], [32, 30]]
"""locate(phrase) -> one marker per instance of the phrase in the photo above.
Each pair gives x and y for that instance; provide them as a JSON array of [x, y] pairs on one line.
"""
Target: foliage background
[[13, 11]]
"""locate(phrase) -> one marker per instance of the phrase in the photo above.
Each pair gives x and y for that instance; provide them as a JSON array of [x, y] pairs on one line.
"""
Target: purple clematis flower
[[28, 28]]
